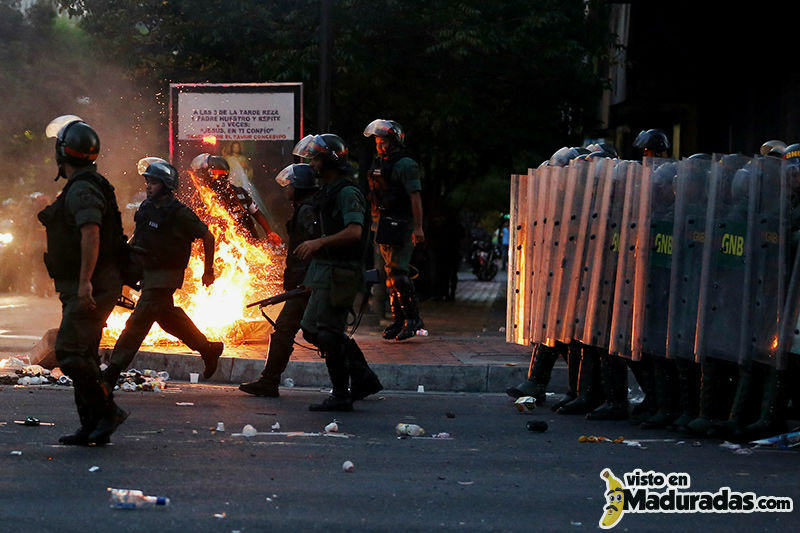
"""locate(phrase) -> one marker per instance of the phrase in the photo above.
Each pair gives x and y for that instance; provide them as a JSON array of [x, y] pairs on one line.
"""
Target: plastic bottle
[[134, 499], [409, 430]]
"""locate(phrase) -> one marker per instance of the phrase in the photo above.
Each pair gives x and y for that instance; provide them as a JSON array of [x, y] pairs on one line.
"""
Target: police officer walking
[[85, 250], [335, 273], [165, 229], [214, 172], [395, 185], [300, 183]]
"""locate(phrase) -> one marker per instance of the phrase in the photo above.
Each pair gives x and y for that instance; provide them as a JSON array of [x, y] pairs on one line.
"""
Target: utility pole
[[325, 45]]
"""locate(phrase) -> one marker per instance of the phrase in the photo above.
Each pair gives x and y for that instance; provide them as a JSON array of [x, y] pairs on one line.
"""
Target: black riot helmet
[[328, 148], [76, 142], [606, 149], [774, 148], [655, 140], [301, 176], [210, 168], [563, 156], [386, 128], [159, 169]]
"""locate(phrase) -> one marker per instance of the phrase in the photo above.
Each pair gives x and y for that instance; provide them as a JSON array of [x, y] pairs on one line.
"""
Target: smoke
[[51, 68]]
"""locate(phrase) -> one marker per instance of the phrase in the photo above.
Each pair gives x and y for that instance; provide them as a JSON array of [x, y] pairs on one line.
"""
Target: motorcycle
[[483, 259]]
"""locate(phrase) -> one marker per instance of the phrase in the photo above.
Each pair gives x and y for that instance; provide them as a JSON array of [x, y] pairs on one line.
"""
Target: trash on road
[[730, 446], [249, 431], [466, 482], [288, 382], [743, 451], [134, 499], [348, 466], [220, 515], [184, 404], [450, 415], [442, 435], [409, 430], [276, 426], [333, 427], [597, 438], [538, 426], [784, 440], [142, 380], [525, 403], [16, 452], [94, 469], [220, 426], [33, 421], [194, 377], [420, 388]]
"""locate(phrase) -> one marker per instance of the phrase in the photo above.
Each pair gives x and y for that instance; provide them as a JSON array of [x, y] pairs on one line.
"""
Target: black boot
[[398, 318], [771, 420], [363, 381], [733, 428], [408, 298], [589, 390], [666, 381], [709, 388], [688, 390], [261, 387], [108, 424], [572, 355], [339, 400], [211, 355], [88, 422], [541, 368], [615, 384]]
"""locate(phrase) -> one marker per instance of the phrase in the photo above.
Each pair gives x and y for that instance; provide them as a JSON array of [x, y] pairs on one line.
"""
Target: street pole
[[325, 45]]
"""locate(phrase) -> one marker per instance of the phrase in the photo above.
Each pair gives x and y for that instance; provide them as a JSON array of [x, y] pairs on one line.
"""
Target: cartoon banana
[[615, 498]]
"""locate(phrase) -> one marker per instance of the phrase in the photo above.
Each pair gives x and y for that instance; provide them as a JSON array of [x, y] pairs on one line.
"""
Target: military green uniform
[[335, 277], [165, 232], [87, 198]]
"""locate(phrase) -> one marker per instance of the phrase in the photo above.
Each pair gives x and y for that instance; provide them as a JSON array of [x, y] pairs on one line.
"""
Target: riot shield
[[688, 242], [593, 220], [622, 312], [789, 340], [550, 254], [513, 299], [563, 304], [540, 190], [765, 271], [604, 255], [720, 305], [654, 257]]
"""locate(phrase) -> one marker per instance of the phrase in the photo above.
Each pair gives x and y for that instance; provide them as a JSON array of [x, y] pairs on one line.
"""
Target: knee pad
[[330, 342], [401, 282]]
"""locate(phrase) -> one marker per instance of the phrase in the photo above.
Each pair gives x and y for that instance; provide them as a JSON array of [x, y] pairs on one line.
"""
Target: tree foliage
[[483, 88]]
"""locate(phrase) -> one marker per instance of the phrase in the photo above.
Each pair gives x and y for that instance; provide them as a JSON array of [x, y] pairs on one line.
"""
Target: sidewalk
[[465, 350]]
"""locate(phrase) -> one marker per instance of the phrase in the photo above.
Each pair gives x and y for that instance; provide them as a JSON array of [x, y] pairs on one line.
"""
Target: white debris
[[348, 466], [249, 431]]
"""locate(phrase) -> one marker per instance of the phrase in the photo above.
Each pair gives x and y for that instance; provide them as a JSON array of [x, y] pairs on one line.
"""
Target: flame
[[6, 238], [210, 139], [3, 363], [246, 270], [775, 343]]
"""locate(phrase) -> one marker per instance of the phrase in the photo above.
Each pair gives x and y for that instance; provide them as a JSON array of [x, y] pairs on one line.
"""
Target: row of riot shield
[[681, 259]]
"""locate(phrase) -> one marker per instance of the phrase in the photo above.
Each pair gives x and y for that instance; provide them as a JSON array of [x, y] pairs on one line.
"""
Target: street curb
[[442, 378]]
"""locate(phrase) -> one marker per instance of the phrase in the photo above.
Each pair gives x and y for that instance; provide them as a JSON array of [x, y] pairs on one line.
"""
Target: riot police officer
[[653, 143], [85, 250], [165, 229], [300, 183], [396, 202], [335, 273], [214, 171]]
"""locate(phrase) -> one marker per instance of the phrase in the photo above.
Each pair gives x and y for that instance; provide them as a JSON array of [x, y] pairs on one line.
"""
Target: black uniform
[[239, 204], [165, 232]]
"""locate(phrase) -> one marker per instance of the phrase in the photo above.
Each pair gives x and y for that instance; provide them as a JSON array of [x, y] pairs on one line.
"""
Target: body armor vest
[[328, 224], [387, 194], [300, 228], [164, 249], [63, 256]]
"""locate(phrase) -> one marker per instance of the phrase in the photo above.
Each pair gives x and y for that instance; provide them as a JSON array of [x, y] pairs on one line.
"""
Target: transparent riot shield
[[688, 242], [550, 257], [766, 270], [603, 254], [622, 312], [720, 305], [513, 300], [559, 325], [789, 339], [653, 257], [593, 220]]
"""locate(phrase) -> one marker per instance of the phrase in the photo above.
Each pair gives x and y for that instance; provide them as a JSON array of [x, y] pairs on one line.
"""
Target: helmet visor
[[58, 123], [379, 128], [311, 146], [286, 176], [145, 162]]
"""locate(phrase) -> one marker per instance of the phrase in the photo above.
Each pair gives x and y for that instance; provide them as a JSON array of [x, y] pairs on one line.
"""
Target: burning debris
[[245, 269]]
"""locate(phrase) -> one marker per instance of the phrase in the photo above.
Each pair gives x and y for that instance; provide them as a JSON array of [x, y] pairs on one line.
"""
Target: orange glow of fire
[[210, 139], [246, 271]]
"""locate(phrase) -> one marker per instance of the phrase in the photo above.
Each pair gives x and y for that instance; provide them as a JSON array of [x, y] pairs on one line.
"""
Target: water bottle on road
[[134, 499]]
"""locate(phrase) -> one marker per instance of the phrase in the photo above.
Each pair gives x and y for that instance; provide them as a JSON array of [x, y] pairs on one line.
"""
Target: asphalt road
[[493, 475]]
